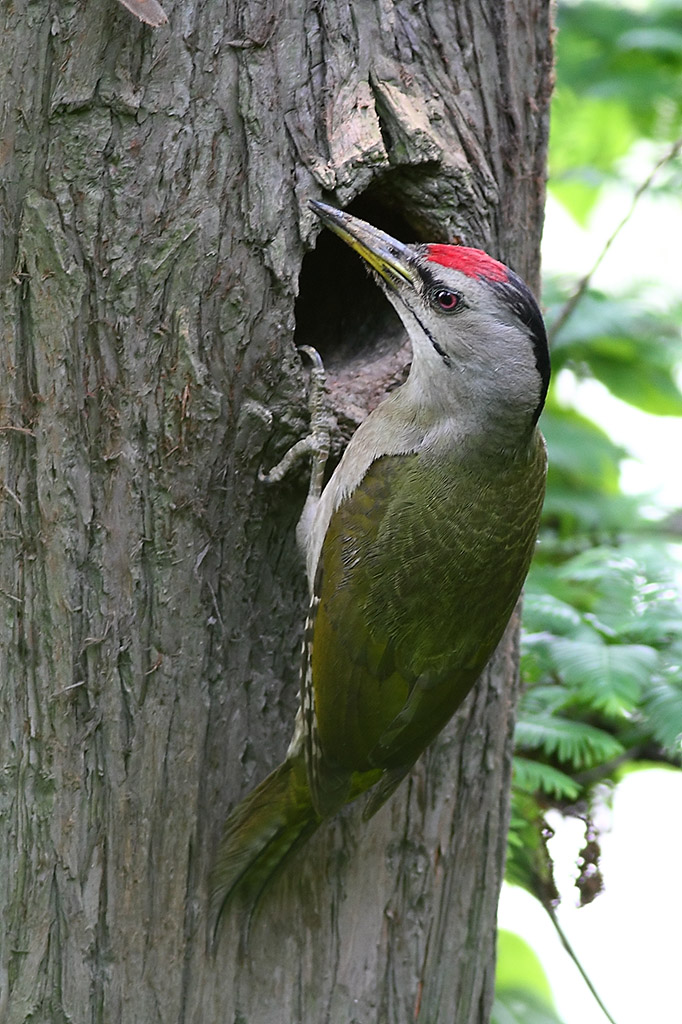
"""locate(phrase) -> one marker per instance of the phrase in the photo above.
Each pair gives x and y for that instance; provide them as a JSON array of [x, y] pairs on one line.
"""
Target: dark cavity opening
[[341, 310]]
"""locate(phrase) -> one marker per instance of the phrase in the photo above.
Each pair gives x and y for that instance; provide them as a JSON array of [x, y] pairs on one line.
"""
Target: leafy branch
[[585, 281]]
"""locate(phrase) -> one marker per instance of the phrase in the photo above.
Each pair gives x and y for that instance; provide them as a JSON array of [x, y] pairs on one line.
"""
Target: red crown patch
[[472, 262]]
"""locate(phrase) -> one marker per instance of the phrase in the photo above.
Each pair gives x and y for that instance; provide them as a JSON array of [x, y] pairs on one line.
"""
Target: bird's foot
[[318, 440]]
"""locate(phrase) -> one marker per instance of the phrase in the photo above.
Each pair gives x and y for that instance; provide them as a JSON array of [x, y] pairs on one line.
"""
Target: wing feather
[[419, 573]]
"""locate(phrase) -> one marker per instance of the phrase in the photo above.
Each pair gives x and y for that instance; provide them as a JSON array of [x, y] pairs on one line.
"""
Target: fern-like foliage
[[532, 777], [602, 652], [570, 742], [602, 668]]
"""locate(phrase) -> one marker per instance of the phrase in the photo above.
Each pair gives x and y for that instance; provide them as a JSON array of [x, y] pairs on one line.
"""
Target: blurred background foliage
[[602, 646]]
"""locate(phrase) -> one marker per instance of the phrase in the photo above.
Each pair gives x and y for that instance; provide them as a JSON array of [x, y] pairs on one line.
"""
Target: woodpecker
[[416, 550]]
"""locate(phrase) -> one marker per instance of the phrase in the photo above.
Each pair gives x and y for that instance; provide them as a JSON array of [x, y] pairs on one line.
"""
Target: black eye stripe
[[441, 352], [437, 348]]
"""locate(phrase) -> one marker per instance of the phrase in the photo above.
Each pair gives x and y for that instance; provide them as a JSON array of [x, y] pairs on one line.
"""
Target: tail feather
[[260, 834]]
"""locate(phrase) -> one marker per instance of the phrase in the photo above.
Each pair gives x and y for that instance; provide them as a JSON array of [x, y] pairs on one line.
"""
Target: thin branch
[[569, 949], [584, 283]]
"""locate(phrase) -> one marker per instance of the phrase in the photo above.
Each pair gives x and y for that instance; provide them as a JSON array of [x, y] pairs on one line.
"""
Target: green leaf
[[631, 350], [579, 511], [658, 39], [580, 451], [522, 992], [544, 612], [521, 1007], [528, 861], [606, 582], [533, 776], [648, 387], [596, 565], [583, 481], [663, 708], [518, 966], [544, 699], [577, 743], [609, 678], [588, 137], [612, 51]]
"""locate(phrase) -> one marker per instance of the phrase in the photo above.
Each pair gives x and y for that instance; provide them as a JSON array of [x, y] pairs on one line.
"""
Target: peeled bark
[[153, 207]]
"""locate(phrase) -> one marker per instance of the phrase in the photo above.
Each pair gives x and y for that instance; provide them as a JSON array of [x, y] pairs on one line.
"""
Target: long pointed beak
[[389, 257]]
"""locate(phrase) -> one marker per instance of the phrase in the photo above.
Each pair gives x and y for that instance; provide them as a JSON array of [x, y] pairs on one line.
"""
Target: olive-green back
[[419, 573]]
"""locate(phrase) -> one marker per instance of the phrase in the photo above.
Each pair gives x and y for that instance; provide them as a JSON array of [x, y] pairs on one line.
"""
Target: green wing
[[419, 573]]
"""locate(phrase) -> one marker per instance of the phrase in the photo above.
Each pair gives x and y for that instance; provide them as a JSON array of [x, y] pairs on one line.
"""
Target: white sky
[[630, 938]]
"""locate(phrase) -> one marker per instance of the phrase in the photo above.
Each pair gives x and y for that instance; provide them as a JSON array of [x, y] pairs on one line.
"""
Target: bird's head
[[478, 338]]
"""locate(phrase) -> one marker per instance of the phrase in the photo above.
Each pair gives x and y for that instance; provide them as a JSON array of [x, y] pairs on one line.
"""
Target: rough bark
[[154, 227]]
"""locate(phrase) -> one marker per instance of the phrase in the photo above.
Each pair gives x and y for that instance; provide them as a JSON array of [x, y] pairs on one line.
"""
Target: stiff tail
[[260, 834]]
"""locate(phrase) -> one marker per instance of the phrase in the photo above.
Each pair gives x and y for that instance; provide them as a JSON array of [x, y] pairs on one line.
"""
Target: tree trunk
[[154, 216]]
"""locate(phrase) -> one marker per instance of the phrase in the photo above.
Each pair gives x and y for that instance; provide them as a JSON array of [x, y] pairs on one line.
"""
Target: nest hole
[[343, 313]]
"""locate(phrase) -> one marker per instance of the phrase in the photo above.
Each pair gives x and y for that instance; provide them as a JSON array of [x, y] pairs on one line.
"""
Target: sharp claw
[[313, 355], [317, 440]]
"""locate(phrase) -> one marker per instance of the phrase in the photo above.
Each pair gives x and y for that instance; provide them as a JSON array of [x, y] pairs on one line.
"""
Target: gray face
[[479, 344]]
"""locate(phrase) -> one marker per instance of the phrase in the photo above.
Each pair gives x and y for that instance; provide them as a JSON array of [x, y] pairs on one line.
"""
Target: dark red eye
[[445, 300]]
